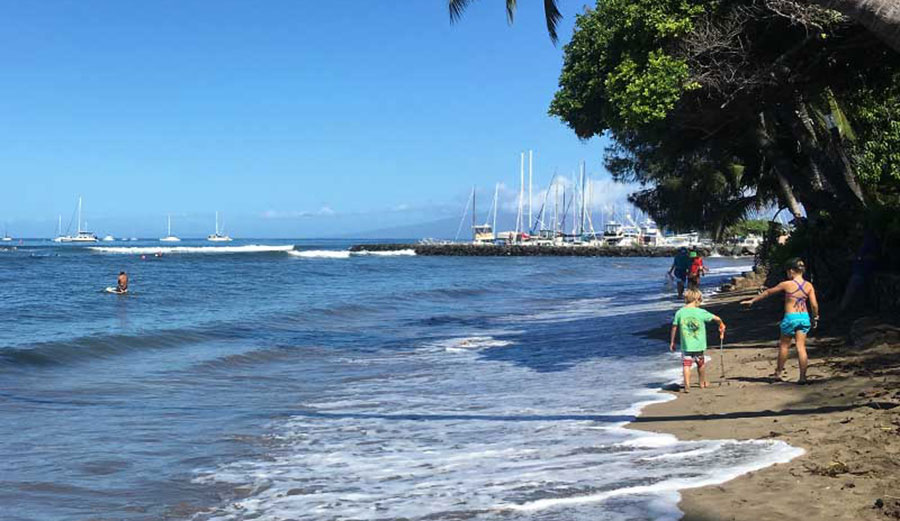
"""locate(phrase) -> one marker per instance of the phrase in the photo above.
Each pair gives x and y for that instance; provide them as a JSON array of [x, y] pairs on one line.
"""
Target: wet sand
[[847, 419]]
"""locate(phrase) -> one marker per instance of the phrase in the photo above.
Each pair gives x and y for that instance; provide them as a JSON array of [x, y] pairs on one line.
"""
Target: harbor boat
[[171, 238], [682, 240], [218, 236], [613, 233], [80, 234], [650, 235], [751, 242], [6, 237], [632, 236]]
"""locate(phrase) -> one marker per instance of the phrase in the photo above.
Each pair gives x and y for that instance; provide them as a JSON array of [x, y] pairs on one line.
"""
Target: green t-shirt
[[691, 324]]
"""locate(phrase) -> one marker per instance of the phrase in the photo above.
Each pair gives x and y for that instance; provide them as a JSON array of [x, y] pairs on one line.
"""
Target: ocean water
[[291, 380]]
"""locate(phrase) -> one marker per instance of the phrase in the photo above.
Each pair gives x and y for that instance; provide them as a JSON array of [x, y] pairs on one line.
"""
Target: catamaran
[[80, 235], [169, 237], [218, 236]]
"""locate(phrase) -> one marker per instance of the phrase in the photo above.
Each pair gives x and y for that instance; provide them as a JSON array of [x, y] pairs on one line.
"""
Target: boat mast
[[590, 210], [463, 218], [574, 206], [582, 198], [530, 157], [519, 216], [555, 210], [473, 212], [79, 214], [59, 225], [169, 227], [494, 224]]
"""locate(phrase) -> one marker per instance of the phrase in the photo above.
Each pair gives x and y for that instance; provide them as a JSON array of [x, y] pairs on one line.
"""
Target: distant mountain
[[440, 229]]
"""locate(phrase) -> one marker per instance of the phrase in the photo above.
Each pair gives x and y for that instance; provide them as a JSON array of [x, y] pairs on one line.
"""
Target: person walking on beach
[[691, 321], [679, 269], [122, 283], [799, 296]]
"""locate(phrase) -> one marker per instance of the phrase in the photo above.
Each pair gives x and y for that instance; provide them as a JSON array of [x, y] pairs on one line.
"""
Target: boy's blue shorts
[[794, 322]]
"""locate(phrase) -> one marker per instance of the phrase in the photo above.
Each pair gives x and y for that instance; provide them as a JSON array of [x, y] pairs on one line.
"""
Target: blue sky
[[292, 118]]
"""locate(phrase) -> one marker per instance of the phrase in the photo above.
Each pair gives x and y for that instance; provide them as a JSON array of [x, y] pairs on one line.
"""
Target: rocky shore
[[518, 250]]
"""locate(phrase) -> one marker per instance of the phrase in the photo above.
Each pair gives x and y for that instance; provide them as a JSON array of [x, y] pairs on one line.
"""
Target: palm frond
[[510, 10], [456, 8], [551, 13], [553, 16]]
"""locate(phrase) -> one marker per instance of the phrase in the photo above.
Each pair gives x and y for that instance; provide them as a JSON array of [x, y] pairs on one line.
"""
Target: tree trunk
[[779, 165], [788, 195], [881, 17]]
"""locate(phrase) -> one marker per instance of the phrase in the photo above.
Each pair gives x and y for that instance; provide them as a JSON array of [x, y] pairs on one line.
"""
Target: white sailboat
[[80, 235], [6, 237], [169, 237], [218, 236]]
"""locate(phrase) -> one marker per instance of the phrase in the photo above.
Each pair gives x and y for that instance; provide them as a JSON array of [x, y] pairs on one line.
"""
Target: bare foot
[[686, 390]]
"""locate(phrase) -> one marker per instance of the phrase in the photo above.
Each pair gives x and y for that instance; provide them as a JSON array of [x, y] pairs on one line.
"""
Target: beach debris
[[833, 470]]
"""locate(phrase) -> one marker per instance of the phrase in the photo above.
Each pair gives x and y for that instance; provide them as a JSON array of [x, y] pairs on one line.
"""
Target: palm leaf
[[551, 13], [553, 16]]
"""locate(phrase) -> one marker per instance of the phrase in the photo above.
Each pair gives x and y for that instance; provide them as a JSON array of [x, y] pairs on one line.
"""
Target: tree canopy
[[719, 107]]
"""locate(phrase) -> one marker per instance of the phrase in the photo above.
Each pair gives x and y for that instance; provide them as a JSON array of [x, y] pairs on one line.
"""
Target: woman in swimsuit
[[799, 295]]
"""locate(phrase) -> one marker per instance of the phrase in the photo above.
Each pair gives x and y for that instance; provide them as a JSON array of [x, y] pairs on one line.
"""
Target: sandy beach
[[847, 419]]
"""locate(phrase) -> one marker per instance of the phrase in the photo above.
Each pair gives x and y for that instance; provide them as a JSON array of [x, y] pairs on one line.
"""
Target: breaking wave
[[151, 250]]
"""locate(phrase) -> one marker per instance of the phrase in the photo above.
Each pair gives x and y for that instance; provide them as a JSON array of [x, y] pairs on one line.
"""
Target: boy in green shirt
[[692, 319]]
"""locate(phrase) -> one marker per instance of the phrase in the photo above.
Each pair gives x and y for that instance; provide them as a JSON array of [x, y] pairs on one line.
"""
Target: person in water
[[696, 269], [799, 299], [122, 282], [691, 321], [680, 265]]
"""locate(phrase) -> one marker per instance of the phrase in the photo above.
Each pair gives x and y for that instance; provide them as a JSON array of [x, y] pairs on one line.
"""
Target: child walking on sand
[[796, 323], [691, 320]]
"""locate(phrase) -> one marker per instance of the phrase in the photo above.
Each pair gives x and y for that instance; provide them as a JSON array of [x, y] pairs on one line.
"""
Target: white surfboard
[[112, 289]]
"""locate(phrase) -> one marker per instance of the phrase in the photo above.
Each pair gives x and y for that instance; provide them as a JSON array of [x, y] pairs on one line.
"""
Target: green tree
[[720, 107]]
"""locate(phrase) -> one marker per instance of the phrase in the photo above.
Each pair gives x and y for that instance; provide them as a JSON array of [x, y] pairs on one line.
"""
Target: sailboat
[[169, 237], [218, 236], [80, 235], [6, 237]]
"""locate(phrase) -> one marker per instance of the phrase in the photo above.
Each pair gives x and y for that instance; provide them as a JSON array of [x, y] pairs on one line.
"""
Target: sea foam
[[320, 254], [165, 250]]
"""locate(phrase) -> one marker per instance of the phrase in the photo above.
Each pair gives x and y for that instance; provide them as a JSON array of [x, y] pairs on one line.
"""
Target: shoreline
[[538, 250], [847, 420]]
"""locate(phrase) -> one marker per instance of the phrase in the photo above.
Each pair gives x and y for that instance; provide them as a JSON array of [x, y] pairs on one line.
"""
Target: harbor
[[538, 250]]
